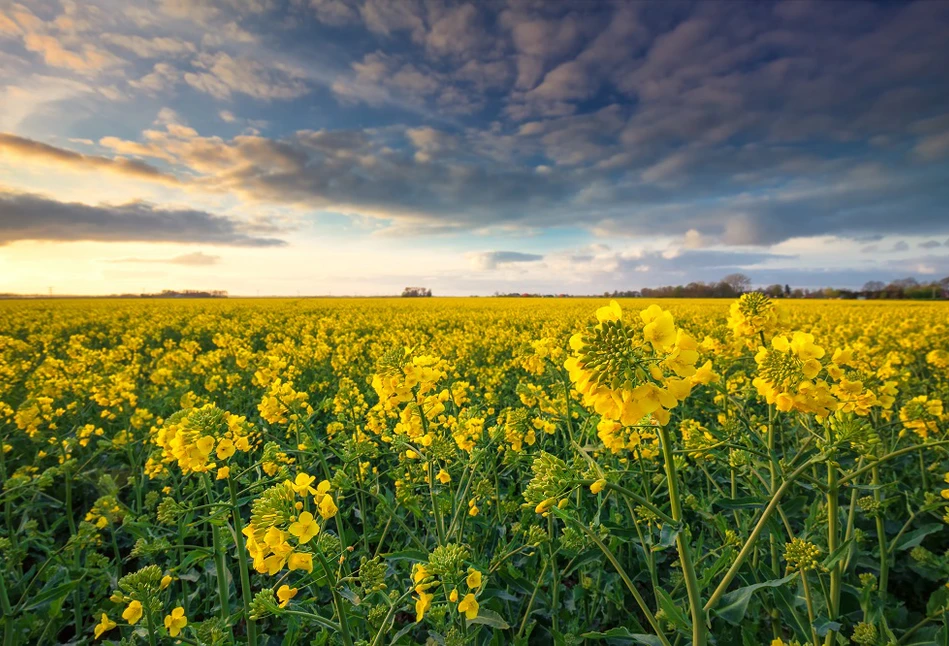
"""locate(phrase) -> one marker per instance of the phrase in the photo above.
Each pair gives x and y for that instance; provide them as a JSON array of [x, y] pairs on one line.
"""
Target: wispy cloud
[[25, 216], [490, 260], [21, 148], [196, 259]]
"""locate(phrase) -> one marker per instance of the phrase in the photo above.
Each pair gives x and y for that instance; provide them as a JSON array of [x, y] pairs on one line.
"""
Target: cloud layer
[[713, 131], [26, 216]]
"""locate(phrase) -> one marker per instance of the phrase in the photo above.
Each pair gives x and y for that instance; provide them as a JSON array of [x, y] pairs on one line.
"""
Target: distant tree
[[873, 286], [415, 292], [903, 283], [787, 290], [740, 283], [774, 291]]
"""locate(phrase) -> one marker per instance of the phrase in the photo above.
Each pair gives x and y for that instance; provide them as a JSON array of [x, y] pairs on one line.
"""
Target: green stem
[[246, 595], [5, 607], [889, 456], [881, 536], [530, 602], [77, 597], [748, 547], [566, 399], [833, 541], [651, 618], [317, 619], [386, 622], [851, 519], [685, 558], [337, 602], [661, 515], [150, 624], [810, 608], [554, 578], [439, 529], [218, 556], [7, 502], [115, 552], [772, 484], [69, 513]]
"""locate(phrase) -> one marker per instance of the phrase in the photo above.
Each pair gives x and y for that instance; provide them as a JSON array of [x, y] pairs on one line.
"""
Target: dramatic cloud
[[34, 217], [698, 132], [458, 182], [15, 147], [488, 260]]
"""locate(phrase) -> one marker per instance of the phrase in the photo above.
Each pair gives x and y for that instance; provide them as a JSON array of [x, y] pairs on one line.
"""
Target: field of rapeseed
[[474, 472]]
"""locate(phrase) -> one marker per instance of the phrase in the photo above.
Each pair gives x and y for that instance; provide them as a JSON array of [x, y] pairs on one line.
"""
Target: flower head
[[105, 625], [285, 593], [423, 603], [133, 612], [304, 528], [176, 621], [469, 606], [301, 485]]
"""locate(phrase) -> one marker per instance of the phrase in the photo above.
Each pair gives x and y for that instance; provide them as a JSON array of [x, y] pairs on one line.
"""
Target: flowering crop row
[[474, 471]]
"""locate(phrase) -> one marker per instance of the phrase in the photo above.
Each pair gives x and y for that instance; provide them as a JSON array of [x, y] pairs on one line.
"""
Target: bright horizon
[[333, 147]]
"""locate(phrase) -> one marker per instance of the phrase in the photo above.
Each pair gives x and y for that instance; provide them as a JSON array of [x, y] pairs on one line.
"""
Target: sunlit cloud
[[532, 145]]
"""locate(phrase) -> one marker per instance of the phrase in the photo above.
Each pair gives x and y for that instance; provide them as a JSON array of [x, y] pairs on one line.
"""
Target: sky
[[358, 147]]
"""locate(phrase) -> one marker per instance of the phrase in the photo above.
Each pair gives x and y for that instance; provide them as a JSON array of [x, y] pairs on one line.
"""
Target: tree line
[[735, 285]]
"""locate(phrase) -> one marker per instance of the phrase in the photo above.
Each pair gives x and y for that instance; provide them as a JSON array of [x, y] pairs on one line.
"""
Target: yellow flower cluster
[[189, 439], [639, 440], [922, 415], [279, 518], [628, 371], [284, 405], [787, 372], [753, 317], [399, 384], [424, 580]]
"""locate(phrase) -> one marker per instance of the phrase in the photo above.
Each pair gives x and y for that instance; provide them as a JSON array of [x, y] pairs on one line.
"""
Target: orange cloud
[[90, 59], [28, 149]]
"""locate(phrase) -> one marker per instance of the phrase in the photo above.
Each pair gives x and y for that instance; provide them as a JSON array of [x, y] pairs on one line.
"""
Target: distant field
[[490, 471]]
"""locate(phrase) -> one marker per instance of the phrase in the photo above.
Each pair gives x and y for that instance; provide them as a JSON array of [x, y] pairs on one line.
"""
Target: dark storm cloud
[[26, 216], [747, 123]]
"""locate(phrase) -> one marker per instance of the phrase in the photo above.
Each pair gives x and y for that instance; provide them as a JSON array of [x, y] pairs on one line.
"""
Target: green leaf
[[409, 627], [937, 600], [723, 561], [915, 537], [673, 613], [349, 595], [734, 605], [623, 634], [667, 536], [837, 555], [747, 502], [823, 625], [54, 594], [591, 556], [407, 555], [489, 618]]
